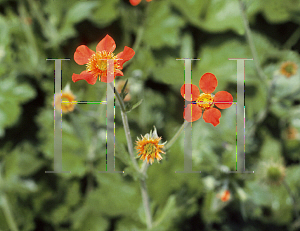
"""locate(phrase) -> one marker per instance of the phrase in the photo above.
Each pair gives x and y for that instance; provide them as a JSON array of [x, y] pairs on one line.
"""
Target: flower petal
[[212, 116], [134, 2], [208, 83], [108, 44], [86, 76], [125, 55], [223, 99], [116, 73], [196, 113], [82, 54], [194, 91]]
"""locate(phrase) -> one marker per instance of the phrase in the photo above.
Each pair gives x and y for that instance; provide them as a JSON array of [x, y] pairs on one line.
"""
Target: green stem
[[288, 189], [139, 37], [126, 128], [146, 203], [175, 137], [129, 141], [137, 43], [143, 185], [292, 40], [261, 75]]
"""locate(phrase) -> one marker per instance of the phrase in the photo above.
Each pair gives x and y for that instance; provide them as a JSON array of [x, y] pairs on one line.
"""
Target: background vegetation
[[159, 31]]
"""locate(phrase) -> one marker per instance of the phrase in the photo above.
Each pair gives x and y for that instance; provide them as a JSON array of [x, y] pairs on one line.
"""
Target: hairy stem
[[137, 43], [126, 128], [143, 186], [146, 203], [175, 137]]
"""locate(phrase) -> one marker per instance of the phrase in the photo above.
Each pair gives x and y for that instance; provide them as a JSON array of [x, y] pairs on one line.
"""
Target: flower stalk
[[143, 170], [175, 137]]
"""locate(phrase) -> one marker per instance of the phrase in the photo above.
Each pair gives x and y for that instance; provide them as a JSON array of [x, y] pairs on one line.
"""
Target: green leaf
[[60, 214], [210, 208], [275, 11], [165, 216], [274, 198], [221, 16], [191, 9], [135, 105], [170, 71], [109, 199], [78, 12], [73, 194], [12, 95], [144, 61], [129, 224], [162, 28], [271, 148], [86, 219], [107, 11]]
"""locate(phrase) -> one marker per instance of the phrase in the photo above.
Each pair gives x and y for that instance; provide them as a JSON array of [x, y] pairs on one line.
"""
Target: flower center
[[205, 101], [65, 99], [150, 149], [289, 69], [97, 64]]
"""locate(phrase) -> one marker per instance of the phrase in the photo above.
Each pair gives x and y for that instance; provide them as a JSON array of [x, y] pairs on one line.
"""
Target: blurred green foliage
[[160, 32]]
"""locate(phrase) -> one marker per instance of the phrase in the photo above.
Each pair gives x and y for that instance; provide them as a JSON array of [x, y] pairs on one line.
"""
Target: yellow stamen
[[205, 101], [288, 69], [97, 64]]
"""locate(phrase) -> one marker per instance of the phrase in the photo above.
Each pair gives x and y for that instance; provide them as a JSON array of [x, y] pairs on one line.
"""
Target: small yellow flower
[[68, 96], [288, 69], [149, 148]]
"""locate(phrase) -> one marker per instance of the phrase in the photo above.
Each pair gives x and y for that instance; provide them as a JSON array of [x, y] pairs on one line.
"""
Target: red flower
[[96, 62], [225, 195], [206, 100], [136, 2]]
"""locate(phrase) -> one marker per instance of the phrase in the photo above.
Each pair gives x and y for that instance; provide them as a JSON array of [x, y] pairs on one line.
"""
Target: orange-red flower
[[136, 2], [224, 196], [205, 101], [96, 62]]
